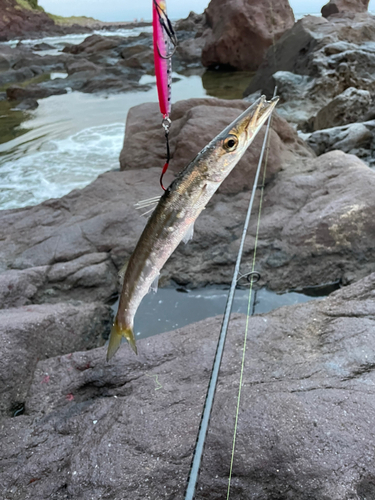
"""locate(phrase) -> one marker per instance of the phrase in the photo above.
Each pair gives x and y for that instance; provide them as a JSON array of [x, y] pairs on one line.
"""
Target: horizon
[[118, 10]]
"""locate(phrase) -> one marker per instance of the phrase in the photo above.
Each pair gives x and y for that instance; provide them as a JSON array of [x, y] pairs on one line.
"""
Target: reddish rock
[[126, 429], [343, 6], [240, 32], [194, 123], [16, 20], [32, 333]]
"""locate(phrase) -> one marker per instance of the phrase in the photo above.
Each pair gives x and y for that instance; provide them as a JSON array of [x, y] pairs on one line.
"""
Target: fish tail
[[117, 333]]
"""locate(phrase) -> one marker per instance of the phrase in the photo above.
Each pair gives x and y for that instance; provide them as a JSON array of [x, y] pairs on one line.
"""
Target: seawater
[[69, 140], [168, 308]]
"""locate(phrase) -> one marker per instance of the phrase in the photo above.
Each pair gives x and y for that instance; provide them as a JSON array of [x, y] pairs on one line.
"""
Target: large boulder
[[240, 32], [127, 429], [344, 6], [194, 123]]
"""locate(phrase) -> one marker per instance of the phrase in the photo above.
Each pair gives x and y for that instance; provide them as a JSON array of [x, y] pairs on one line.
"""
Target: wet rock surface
[[127, 428], [235, 25]]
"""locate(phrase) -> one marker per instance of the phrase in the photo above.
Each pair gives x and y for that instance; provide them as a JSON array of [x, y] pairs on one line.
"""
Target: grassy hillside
[[68, 21]]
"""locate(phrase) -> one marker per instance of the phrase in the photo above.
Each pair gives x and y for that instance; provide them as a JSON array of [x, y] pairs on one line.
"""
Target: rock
[[349, 138], [240, 32], [81, 65], [43, 46], [190, 51], [344, 6], [348, 107], [195, 123], [18, 19], [94, 43], [15, 76], [127, 429], [316, 222], [16, 93], [29, 334], [332, 55], [193, 23], [27, 104]]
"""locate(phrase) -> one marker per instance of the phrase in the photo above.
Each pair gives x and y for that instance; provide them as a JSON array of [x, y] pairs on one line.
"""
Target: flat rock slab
[[127, 428], [31, 333]]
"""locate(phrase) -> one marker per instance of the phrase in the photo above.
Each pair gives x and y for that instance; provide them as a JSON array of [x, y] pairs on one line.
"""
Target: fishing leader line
[[203, 428], [267, 137]]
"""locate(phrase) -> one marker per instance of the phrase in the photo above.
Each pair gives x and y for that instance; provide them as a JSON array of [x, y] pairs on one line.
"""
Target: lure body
[[178, 209], [162, 56]]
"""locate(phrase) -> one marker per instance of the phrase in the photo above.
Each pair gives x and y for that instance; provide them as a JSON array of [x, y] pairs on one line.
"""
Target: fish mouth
[[258, 115], [252, 119]]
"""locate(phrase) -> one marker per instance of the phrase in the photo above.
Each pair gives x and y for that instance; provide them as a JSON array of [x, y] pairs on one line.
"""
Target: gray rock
[[27, 104], [31, 333], [80, 65], [347, 138], [333, 56], [348, 107], [127, 429]]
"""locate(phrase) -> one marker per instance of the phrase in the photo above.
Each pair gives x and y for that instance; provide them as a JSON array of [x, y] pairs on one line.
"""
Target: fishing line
[[198, 451], [267, 137]]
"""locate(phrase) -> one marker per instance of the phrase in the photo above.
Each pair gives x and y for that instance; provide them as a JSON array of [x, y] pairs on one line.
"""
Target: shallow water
[[70, 139], [169, 309]]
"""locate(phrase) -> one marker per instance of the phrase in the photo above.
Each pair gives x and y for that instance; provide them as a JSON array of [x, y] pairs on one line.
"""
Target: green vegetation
[[30, 5], [68, 21]]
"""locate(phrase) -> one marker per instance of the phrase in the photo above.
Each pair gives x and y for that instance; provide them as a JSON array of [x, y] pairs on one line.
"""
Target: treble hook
[[167, 26]]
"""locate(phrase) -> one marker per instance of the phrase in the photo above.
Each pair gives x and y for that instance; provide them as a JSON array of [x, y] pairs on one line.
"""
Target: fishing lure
[[165, 44]]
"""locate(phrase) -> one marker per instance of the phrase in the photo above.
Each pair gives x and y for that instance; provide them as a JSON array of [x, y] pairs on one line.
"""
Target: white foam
[[62, 166], [59, 42]]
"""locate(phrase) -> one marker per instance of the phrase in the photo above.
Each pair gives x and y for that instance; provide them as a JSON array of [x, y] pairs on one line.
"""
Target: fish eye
[[230, 143]]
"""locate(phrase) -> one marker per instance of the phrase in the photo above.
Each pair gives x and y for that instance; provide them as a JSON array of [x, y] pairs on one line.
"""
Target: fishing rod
[[165, 44], [253, 276]]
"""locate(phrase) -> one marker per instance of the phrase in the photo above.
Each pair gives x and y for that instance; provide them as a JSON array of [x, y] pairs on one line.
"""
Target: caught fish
[[177, 210]]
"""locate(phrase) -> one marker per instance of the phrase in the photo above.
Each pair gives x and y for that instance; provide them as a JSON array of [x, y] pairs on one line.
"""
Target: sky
[[128, 10]]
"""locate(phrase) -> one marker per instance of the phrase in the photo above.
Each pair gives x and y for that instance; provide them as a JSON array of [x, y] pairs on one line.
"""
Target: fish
[[178, 208]]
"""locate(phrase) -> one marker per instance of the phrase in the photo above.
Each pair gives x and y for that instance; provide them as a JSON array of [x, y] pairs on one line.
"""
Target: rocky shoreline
[[75, 426]]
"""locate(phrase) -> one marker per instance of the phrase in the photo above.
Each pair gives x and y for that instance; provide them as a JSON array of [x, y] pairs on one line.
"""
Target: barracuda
[[177, 210]]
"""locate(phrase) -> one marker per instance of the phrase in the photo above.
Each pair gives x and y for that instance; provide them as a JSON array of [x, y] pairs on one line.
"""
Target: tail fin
[[115, 339]]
